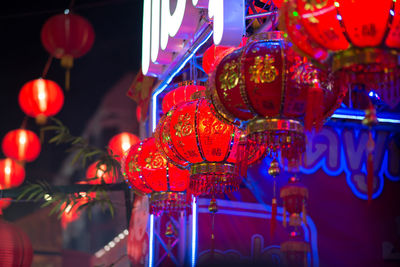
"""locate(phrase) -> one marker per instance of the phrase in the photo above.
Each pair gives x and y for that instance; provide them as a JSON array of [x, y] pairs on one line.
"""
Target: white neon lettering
[[146, 36], [155, 29], [171, 23]]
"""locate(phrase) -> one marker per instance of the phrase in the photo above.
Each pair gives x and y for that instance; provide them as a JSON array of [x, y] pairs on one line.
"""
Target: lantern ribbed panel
[[15, 246], [181, 94], [120, 143]]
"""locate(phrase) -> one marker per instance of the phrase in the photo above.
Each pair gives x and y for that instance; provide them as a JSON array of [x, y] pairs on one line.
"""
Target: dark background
[[116, 50]]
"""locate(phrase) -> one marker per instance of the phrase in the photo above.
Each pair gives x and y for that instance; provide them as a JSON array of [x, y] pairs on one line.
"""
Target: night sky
[[116, 50]]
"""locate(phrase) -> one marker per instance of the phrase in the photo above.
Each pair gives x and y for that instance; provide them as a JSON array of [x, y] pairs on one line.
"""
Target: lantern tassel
[[67, 79], [284, 220], [67, 62], [273, 217], [314, 109]]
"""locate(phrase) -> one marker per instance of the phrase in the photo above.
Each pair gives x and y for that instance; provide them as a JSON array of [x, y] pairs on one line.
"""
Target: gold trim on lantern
[[264, 124], [267, 36], [200, 168], [167, 201], [198, 95], [364, 56]]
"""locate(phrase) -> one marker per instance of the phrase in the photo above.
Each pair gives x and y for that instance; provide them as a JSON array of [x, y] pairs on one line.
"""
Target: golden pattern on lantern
[[263, 70]]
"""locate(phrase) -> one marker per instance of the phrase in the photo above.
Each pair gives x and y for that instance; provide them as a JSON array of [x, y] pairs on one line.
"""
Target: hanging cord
[[47, 66], [213, 208]]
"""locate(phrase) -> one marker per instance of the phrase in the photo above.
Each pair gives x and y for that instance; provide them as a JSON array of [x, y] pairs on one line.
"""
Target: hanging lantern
[[12, 174], [21, 145], [295, 250], [358, 39], [15, 246], [120, 143], [67, 36], [267, 86], [181, 93], [148, 172], [294, 196], [190, 136], [99, 174], [41, 98]]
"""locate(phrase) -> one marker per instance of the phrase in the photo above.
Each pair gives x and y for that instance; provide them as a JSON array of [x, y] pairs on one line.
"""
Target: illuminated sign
[[338, 150], [169, 25]]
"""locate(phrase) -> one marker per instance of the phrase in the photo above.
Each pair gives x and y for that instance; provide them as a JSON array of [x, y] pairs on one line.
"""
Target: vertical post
[[128, 205], [194, 232], [151, 241]]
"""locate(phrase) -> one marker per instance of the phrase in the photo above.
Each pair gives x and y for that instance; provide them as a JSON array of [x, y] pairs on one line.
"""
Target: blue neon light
[[354, 114], [194, 231], [151, 241]]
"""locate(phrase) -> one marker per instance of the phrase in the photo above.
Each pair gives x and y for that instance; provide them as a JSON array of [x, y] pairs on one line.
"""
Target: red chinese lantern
[[147, 171], [182, 93], [360, 38], [190, 136], [273, 90], [67, 36], [294, 196], [40, 99], [99, 174], [120, 143], [21, 144], [15, 246], [12, 174]]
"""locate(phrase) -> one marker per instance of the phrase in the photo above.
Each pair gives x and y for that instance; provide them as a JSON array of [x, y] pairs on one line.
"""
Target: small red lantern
[[294, 196], [99, 174], [15, 246], [67, 36], [40, 99], [12, 174], [182, 93], [147, 171], [21, 145], [190, 136], [121, 143]]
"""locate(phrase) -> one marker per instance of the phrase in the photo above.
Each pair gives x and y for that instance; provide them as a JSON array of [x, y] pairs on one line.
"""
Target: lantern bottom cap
[[274, 125], [167, 201]]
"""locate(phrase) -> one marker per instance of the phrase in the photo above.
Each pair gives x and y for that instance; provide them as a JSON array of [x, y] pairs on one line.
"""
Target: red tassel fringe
[[274, 212], [315, 108]]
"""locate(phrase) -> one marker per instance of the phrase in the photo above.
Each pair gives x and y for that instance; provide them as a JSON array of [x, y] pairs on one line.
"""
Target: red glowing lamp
[[40, 99], [12, 174], [21, 145], [120, 143], [99, 174], [147, 171]]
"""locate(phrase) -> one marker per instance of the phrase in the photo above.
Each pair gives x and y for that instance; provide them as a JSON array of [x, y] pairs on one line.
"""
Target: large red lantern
[[182, 93], [120, 143], [40, 99], [148, 172], [67, 36], [98, 174], [12, 174], [295, 250], [15, 246], [358, 39], [190, 136], [273, 90], [21, 144]]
